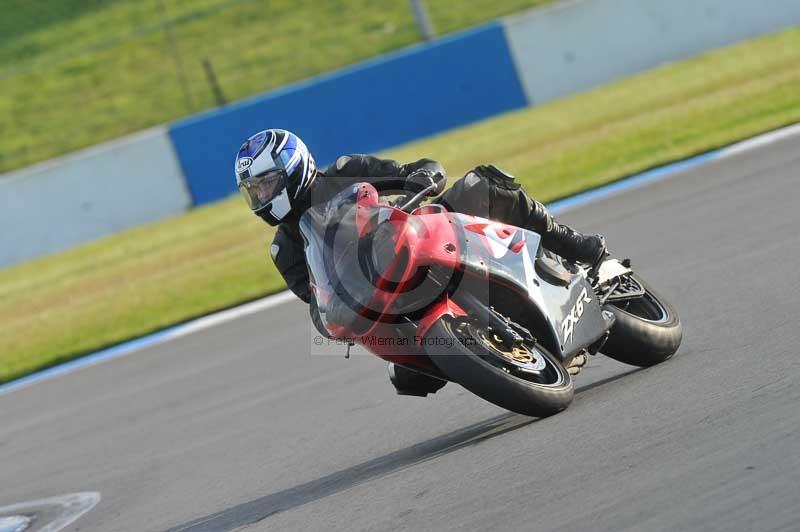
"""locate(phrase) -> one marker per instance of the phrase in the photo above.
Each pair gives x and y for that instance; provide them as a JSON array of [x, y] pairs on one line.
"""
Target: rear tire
[[647, 330], [465, 356]]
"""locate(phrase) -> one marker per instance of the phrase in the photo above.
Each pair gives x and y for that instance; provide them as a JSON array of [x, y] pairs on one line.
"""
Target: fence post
[[176, 56], [213, 81], [423, 19]]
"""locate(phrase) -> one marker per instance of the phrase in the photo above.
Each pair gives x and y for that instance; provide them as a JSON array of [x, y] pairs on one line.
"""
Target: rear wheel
[[647, 329], [523, 378]]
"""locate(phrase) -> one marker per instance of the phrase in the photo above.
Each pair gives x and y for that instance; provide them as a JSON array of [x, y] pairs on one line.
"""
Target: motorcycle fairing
[[452, 242], [508, 255]]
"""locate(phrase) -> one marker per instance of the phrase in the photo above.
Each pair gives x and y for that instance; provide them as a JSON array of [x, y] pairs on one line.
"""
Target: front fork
[[496, 322]]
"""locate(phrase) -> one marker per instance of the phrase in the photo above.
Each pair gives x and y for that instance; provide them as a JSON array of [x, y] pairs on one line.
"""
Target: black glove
[[419, 180]]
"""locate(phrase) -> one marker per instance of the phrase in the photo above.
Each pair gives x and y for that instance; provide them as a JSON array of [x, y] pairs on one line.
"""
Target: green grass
[[59, 307], [77, 72]]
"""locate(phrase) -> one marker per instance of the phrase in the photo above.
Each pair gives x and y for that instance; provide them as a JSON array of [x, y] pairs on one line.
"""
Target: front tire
[[647, 330], [538, 388]]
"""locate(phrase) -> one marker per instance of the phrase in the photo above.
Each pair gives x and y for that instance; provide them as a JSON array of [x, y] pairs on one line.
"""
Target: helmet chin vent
[[281, 205], [275, 211]]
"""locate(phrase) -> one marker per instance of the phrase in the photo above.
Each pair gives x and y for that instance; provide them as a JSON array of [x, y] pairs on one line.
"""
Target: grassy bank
[[128, 64], [138, 281]]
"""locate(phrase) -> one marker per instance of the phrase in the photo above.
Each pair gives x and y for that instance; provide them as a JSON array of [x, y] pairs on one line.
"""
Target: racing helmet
[[273, 170]]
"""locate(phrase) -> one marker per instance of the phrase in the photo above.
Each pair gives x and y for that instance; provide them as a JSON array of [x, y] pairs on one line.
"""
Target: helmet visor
[[259, 191]]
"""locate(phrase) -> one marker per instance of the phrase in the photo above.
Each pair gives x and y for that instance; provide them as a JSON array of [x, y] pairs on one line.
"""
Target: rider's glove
[[420, 179]]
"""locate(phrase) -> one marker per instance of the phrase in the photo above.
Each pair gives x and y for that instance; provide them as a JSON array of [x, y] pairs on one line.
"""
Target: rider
[[279, 179]]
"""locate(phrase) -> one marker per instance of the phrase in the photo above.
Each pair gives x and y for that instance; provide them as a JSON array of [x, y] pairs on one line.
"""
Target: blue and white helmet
[[273, 170]]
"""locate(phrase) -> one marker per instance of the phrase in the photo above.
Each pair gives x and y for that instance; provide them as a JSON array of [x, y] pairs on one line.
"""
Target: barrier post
[[423, 19]]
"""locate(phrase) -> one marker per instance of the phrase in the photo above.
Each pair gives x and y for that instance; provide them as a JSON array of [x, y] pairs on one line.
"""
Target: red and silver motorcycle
[[480, 303]]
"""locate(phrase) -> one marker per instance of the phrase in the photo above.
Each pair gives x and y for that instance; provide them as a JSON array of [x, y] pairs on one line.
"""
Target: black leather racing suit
[[485, 191]]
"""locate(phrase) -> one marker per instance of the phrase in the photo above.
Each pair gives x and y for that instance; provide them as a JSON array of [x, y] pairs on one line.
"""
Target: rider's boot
[[410, 382], [575, 246], [564, 240]]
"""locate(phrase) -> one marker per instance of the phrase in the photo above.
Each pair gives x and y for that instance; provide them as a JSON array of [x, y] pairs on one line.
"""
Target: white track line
[[71, 508], [760, 141]]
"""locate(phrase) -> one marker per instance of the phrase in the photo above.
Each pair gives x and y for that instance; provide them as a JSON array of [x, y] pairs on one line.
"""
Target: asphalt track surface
[[239, 427]]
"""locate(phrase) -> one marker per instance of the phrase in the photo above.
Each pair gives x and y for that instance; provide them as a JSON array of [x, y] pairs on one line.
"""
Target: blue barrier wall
[[372, 106]]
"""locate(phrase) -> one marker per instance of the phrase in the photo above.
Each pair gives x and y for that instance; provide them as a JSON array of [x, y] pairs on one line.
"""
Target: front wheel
[[526, 379], [647, 330]]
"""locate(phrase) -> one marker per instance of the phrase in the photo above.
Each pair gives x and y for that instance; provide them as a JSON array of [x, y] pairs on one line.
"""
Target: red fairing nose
[[433, 241]]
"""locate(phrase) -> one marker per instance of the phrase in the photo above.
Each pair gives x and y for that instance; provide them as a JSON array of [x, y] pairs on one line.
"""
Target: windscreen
[[332, 254]]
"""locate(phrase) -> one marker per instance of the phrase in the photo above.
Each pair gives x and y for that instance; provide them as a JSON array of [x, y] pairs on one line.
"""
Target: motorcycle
[[453, 297]]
